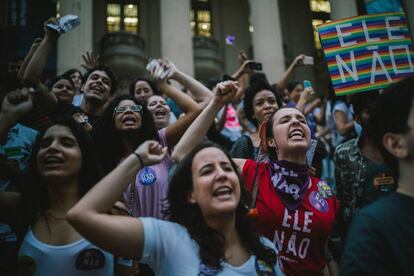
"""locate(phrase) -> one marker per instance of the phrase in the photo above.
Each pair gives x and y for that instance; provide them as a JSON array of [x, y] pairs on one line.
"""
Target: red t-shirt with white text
[[300, 235]]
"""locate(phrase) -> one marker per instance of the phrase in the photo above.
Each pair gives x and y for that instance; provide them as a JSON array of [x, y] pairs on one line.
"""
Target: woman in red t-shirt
[[294, 210]]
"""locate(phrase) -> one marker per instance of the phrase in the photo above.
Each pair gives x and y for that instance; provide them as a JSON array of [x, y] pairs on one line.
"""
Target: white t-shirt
[[337, 138], [74, 259], [77, 99], [169, 250]]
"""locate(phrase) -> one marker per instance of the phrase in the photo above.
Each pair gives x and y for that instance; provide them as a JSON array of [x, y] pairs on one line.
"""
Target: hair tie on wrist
[[139, 159]]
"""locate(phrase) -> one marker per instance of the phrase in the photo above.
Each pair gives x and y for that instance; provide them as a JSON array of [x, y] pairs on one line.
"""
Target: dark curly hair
[[108, 139], [189, 215], [35, 192], [108, 71], [391, 114], [251, 91]]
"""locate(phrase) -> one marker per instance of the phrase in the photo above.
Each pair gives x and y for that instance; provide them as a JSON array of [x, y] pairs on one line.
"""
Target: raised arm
[[304, 98], [44, 99], [190, 108], [198, 90], [34, 70], [15, 105], [28, 57], [298, 61], [224, 93], [89, 216], [221, 120], [242, 76]]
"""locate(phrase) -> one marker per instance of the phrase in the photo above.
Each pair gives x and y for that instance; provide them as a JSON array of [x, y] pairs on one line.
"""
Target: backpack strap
[[255, 187]]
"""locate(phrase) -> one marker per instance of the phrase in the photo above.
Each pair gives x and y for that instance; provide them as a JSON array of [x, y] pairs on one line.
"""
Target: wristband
[[139, 159]]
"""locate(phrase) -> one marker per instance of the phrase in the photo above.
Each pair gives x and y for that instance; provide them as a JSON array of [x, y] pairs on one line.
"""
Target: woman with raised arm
[[292, 208], [209, 232], [124, 126]]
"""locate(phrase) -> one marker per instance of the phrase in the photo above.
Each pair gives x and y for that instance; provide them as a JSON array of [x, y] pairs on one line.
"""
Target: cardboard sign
[[367, 52]]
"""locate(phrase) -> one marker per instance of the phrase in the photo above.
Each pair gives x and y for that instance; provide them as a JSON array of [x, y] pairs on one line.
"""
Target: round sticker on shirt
[[90, 259], [147, 176], [263, 269], [205, 270], [324, 190], [318, 202], [27, 265]]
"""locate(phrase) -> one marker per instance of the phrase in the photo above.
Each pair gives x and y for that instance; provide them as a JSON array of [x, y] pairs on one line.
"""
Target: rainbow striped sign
[[367, 52]]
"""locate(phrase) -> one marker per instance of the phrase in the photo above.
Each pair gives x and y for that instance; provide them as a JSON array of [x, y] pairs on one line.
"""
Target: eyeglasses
[[125, 108]]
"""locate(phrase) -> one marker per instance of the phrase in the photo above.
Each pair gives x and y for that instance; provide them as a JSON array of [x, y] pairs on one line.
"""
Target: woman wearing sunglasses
[[125, 125]]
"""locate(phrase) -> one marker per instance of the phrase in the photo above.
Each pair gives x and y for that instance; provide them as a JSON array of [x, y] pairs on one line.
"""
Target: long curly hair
[[35, 191], [109, 140], [210, 241]]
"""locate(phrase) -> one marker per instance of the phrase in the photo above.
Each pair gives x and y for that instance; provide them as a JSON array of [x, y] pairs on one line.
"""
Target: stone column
[[267, 37], [176, 38], [342, 9], [72, 45]]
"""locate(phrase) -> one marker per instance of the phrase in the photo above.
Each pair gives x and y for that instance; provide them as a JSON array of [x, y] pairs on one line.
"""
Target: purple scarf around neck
[[290, 182]]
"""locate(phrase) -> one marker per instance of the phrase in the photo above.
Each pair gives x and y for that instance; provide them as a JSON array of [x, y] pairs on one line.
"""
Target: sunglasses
[[125, 108]]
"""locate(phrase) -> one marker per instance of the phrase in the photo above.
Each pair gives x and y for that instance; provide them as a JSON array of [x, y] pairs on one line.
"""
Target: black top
[[243, 148], [381, 239]]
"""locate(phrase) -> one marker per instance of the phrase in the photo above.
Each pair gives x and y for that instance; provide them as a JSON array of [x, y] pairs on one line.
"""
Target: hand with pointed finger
[[225, 91], [151, 152]]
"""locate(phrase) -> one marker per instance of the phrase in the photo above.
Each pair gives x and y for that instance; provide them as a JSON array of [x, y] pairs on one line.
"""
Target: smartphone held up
[[307, 60], [157, 69]]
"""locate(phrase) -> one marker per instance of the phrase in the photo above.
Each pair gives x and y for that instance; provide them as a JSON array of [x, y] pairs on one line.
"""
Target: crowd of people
[[230, 177]]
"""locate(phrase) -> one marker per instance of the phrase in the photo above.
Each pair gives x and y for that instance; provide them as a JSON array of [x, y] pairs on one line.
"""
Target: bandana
[[290, 182]]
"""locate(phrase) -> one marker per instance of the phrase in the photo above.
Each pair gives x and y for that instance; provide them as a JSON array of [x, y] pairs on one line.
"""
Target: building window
[[15, 12], [320, 6], [200, 16], [321, 13], [121, 16], [58, 8]]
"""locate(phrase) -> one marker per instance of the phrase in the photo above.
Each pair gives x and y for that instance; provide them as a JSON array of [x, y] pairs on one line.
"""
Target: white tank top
[[78, 258]]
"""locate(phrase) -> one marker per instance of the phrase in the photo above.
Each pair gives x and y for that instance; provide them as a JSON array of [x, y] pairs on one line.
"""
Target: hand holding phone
[[158, 70], [307, 60], [255, 66], [307, 84]]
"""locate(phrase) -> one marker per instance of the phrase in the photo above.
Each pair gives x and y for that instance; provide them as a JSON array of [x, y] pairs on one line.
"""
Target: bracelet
[[139, 159]]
